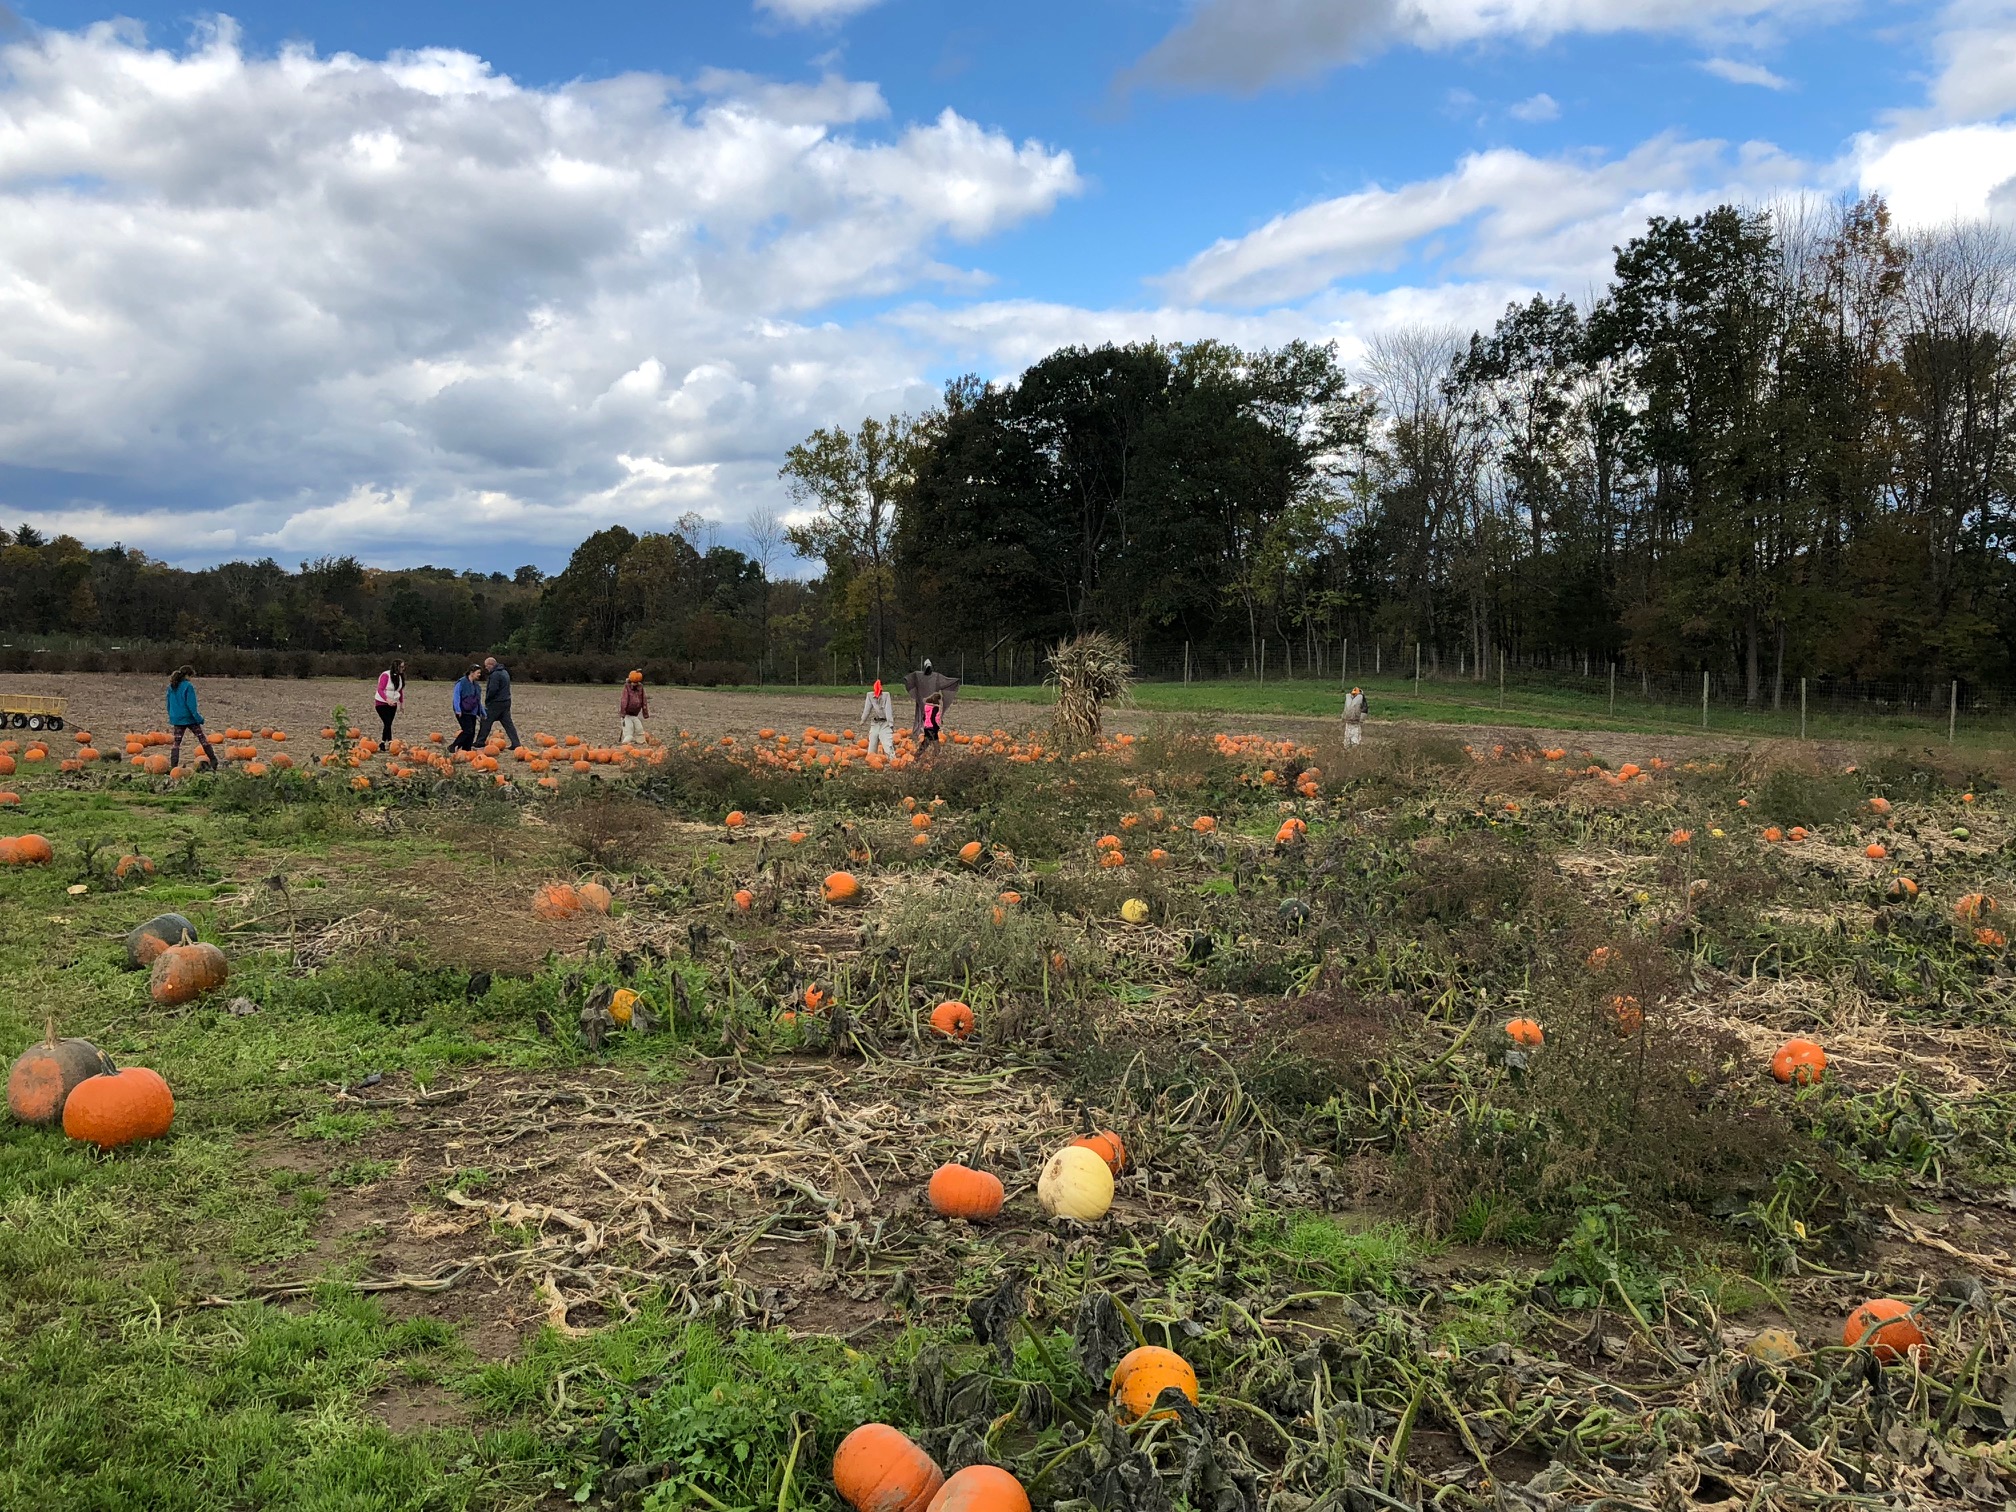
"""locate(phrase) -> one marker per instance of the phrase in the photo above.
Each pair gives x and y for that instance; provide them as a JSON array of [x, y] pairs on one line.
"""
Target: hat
[[1357, 690], [635, 677], [878, 687]]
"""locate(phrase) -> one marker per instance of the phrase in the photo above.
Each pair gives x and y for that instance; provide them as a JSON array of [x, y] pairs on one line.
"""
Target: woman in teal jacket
[[184, 716]]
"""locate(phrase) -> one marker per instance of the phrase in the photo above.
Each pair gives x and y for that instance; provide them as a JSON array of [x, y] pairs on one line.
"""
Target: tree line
[[1775, 444]]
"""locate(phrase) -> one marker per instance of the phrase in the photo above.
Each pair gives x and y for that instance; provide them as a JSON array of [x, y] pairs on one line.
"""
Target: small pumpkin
[[119, 1108], [1107, 1146], [1526, 1031], [148, 940], [1203, 824], [953, 1019], [878, 1469], [1799, 1060], [556, 900], [594, 895], [957, 1191], [1143, 1375], [841, 887], [1972, 906], [970, 852], [1135, 911], [1626, 1017], [1075, 1183], [1875, 851], [744, 899], [133, 866], [44, 1075], [183, 973], [736, 819], [1884, 1325], [623, 1006], [1774, 1346], [980, 1488]]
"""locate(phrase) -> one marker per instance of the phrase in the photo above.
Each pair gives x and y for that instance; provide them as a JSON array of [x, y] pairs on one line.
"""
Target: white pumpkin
[[1075, 1183], [1135, 911]]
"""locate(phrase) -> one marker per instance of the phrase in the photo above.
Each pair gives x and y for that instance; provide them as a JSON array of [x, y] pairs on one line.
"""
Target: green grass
[[1533, 707]]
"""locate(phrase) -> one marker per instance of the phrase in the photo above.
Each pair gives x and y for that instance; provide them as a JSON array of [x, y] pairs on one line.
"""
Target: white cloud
[[1550, 219], [1249, 44], [1976, 48], [1540, 107], [323, 299], [815, 12], [1956, 173], [1755, 74]]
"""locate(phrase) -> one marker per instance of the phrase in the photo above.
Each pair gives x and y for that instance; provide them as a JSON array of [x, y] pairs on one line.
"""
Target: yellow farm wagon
[[24, 711]]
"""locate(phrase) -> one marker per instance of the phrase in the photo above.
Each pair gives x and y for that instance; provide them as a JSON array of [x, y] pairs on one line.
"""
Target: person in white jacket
[[879, 714], [391, 696]]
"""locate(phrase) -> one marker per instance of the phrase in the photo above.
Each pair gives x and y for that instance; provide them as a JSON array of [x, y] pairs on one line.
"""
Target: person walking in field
[[390, 697], [879, 714], [1354, 716], [467, 702], [496, 702], [635, 709], [184, 716]]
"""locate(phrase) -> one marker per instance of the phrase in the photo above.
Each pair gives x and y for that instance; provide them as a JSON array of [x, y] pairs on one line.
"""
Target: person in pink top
[[391, 696]]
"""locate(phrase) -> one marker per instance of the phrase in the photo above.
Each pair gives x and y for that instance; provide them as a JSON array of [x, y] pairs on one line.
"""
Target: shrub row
[[233, 661]]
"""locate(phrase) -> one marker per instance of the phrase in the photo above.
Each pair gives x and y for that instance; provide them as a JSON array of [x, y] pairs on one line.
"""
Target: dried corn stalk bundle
[[1088, 673]]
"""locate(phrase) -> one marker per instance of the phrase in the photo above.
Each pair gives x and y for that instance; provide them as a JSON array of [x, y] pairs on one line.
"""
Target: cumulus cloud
[[1552, 219], [1976, 49], [1540, 107], [1249, 44], [815, 12], [283, 301], [1754, 74]]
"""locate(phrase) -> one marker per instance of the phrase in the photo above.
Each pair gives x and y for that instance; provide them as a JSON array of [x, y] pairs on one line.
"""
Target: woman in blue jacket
[[468, 706], [184, 716]]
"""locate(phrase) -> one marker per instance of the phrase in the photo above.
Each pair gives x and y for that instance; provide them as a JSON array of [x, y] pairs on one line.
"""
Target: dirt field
[[110, 703]]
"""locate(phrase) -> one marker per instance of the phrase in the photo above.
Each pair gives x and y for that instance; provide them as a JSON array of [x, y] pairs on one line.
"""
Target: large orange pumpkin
[[44, 1076], [958, 1191], [980, 1488], [556, 900], [27, 850], [1886, 1326], [594, 895], [1799, 1060], [952, 1019], [1141, 1377], [183, 973], [148, 940], [878, 1469], [119, 1109], [842, 887]]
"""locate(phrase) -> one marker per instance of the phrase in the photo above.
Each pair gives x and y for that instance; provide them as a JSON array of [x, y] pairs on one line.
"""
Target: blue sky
[[463, 282]]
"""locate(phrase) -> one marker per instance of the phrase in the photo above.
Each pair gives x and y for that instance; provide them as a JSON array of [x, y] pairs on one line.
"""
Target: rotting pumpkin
[[183, 973], [45, 1074]]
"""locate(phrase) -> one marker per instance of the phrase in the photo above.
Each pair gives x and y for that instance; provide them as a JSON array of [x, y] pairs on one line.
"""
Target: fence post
[[1344, 670], [1417, 669], [1501, 681], [1704, 698], [1952, 710], [1263, 661], [1186, 664], [1613, 690], [1802, 708]]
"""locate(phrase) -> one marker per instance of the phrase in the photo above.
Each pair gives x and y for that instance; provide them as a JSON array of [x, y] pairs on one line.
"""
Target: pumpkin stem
[[49, 1030]]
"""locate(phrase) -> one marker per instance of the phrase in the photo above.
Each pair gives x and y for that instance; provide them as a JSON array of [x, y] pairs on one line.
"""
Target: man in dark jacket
[[496, 702]]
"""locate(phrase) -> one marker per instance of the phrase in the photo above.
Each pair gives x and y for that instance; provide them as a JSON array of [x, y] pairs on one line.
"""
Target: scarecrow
[[924, 682]]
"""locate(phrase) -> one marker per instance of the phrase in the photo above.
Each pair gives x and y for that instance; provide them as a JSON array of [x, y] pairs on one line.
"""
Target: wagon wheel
[[20, 721], [34, 721], [55, 721]]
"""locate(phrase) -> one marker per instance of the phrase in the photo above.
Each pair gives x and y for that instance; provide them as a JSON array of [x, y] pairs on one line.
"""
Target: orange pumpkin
[[952, 1019], [878, 1469], [27, 850], [556, 900], [148, 940], [736, 819], [133, 866], [595, 896], [1203, 824], [980, 1488], [1526, 1031], [1903, 888], [1799, 1060], [44, 1076], [1973, 905], [1108, 1146], [1875, 852], [1143, 1375], [183, 973], [1886, 1326], [119, 1108], [958, 1191], [1158, 857], [841, 887], [970, 852], [744, 899], [1626, 1017]]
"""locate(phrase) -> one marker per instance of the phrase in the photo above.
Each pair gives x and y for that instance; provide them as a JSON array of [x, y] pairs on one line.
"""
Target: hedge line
[[232, 661]]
